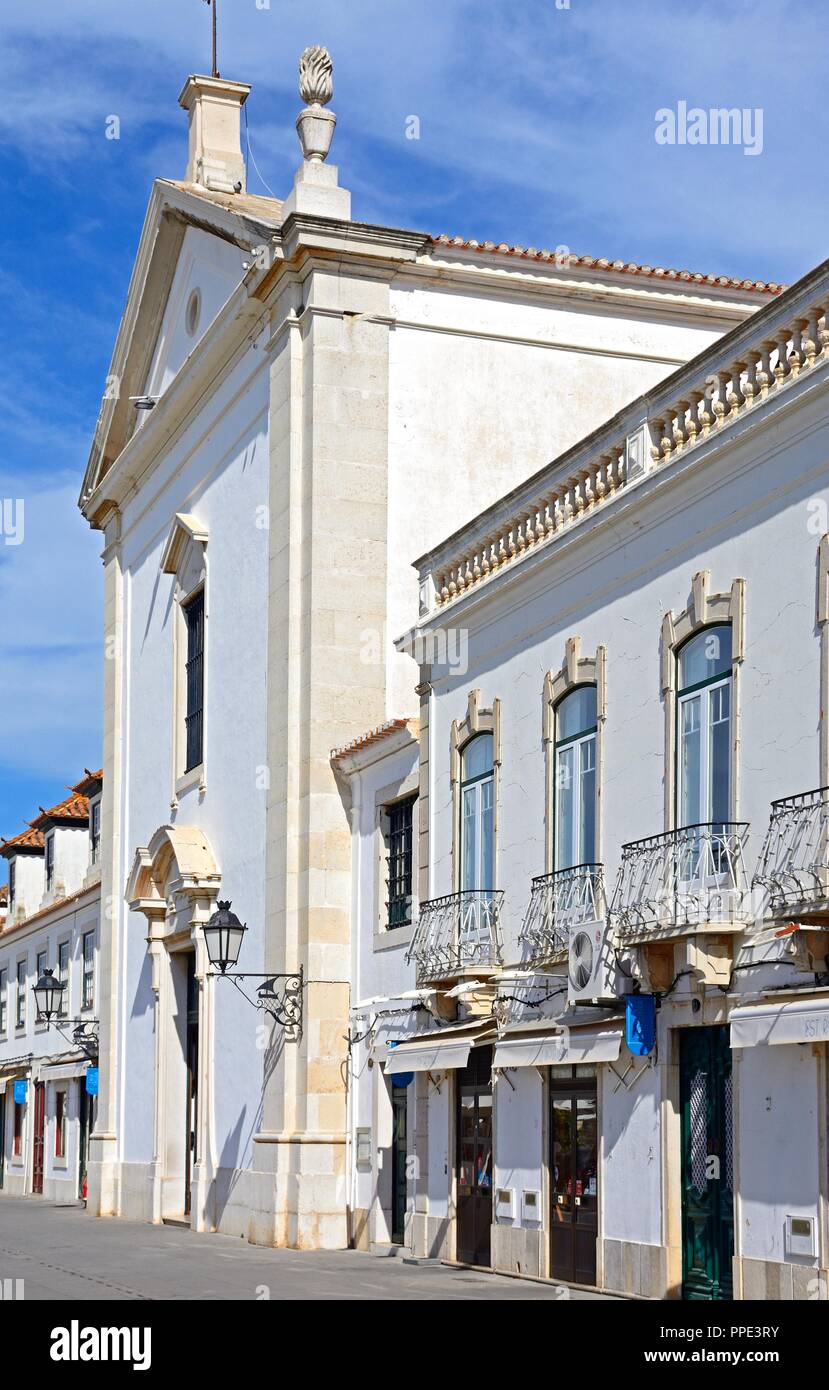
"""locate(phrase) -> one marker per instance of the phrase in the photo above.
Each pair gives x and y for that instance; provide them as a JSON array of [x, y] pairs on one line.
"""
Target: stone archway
[[174, 884]]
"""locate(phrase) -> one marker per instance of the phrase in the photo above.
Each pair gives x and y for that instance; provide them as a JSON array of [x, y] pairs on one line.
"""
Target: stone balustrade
[[758, 360]]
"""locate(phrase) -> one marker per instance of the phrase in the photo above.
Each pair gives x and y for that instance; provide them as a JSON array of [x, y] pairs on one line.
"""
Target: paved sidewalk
[[64, 1253]]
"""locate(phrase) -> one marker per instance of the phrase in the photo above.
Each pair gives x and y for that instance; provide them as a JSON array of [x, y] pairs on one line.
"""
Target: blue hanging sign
[[21, 1091], [640, 1024], [403, 1078], [92, 1081]]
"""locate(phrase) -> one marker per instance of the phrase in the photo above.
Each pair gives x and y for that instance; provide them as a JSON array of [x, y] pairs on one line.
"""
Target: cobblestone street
[[64, 1253]]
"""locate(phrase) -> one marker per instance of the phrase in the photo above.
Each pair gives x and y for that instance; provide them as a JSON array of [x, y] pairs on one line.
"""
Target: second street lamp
[[48, 993], [278, 995]]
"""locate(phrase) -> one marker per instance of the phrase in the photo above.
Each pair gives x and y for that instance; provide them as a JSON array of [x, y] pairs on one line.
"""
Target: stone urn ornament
[[315, 125]]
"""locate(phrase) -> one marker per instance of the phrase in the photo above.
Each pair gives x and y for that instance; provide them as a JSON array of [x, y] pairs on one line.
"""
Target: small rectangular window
[[20, 1003], [60, 1124], [94, 832], [50, 862], [4, 989], [63, 976], [88, 993], [194, 718], [399, 862]]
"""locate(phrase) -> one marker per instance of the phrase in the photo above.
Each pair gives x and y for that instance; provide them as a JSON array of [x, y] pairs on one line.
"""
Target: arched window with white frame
[[477, 810], [574, 786], [703, 781]]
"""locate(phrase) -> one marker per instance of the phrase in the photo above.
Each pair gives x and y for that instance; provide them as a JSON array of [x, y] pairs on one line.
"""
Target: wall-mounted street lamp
[[48, 993], [279, 995]]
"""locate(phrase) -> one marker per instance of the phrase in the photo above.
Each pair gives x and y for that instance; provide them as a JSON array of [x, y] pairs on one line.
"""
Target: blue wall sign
[[403, 1078], [21, 1089], [92, 1081], [640, 1024]]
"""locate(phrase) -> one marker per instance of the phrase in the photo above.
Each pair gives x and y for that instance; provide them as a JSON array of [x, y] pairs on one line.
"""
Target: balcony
[[558, 902], [457, 935], [794, 862], [686, 881]]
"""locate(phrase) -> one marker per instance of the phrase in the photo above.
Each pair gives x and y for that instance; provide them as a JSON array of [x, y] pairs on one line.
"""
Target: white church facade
[[299, 403]]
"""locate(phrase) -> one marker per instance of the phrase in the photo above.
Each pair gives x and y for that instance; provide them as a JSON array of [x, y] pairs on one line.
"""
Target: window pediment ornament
[[703, 610], [476, 721], [185, 547], [174, 878], [575, 670]]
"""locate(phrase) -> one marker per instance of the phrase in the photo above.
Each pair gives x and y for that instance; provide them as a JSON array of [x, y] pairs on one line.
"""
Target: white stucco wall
[[218, 470], [486, 385]]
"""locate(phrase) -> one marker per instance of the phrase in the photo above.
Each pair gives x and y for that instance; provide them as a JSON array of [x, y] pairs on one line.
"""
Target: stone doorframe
[[175, 883]]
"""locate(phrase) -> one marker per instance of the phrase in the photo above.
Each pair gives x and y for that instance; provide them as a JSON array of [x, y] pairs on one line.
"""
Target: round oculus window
[[193, 312]]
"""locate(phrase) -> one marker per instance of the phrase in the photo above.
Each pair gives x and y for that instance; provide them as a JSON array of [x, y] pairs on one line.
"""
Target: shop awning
[[444, 1050], [64, 1071], [16, 1066], [783, 1021], [548, 1047]]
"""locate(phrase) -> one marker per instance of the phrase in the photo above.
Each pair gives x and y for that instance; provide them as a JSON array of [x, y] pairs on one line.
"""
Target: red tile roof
[[75, 807], [373, 736], [27, 839], [89, 783], [531, 253]]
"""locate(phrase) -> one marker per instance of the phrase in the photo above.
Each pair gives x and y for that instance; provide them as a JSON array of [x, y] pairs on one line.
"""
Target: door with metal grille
[[399, 1145], [707, 1163]]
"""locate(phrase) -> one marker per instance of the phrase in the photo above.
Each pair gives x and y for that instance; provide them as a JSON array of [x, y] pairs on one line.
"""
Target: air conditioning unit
[[591, 964]]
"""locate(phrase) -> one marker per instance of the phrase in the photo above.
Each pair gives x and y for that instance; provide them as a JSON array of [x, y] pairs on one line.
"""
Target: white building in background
[[298, 402], [48, 1068], [622, 928]]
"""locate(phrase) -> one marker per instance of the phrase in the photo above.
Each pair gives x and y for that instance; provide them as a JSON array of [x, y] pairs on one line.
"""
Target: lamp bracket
[[279, 995]]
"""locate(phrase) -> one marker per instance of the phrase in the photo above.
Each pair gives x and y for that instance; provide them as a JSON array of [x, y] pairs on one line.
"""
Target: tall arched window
[[477, 814], [704, 728], [575, 778]]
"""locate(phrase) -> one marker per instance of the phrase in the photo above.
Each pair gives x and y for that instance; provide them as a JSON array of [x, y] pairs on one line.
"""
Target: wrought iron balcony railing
[[559, 901], [457, 933], [689, 877], [794, 861]]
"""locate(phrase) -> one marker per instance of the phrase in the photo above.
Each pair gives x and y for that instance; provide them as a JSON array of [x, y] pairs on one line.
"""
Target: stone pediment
[[227, 222]]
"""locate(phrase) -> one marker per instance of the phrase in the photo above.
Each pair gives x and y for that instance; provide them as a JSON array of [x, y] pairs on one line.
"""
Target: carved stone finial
[[316, 76], [315, 126]]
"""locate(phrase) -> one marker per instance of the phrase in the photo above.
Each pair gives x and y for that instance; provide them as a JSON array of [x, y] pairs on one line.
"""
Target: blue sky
[[536, 126]]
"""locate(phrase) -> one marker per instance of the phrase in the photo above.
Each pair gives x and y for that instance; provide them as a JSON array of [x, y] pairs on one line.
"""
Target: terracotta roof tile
[[75, 807], [373, 736], [89, 783], [601, 263], [27, 839]]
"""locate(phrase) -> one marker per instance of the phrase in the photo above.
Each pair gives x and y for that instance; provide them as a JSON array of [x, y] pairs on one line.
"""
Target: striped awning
[[783, 1021], [549, 1047], [446, 1049]]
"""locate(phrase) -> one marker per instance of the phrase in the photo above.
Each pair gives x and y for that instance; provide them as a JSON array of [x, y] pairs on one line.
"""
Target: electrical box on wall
[[362, 1148], [504, 1202], [531, 1206], [801, 1236]]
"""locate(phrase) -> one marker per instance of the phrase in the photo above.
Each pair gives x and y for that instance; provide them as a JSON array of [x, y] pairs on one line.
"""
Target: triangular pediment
[[190, 258]]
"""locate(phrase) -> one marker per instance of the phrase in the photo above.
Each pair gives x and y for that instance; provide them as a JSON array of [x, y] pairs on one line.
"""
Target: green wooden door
[[707, 1163]]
